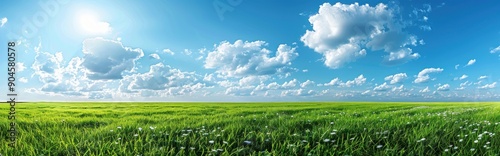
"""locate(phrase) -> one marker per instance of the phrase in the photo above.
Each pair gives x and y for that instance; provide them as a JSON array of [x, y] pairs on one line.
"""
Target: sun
[[90, 24]]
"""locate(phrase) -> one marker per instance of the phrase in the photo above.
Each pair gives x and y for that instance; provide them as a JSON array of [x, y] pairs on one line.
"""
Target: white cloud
[[240, 91], [425, 90], [3, 21], [444, 87], [23, 80], [47, 66], [290, 84], [305, 70], [497, 49], [471, 62], [421, 42], [426, 27], [154, 56], [365, 92], [168, 51], [163, 77], [357, 81], [252, 80], [466, 83], [187, 52], [425, 18], [456, 66], [423, 76], [396, 78], [333, 82], [488, 86], [382, 87], [461, 77], [482, 77], [20, 66], [307, 83], [398, 89], [340, 31], [107, 59], [298, 92], [249, 58]]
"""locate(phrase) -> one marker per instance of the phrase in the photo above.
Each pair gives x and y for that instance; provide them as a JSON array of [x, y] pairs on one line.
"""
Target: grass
[[309, 128]]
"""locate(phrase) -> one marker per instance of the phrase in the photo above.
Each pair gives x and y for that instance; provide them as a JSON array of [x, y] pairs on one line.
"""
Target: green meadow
[[306, 128]]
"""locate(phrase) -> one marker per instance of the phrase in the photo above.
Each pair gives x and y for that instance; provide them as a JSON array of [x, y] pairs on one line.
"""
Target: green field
[[309, 128]]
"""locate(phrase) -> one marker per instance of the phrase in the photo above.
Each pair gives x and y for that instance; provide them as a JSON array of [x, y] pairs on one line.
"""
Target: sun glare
[[90, 24]]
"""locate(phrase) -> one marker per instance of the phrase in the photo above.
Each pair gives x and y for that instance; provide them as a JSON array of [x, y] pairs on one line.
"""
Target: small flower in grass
[[119, 127], [182, 147], [220, 150], [140, 129], [205, 134], [461, 140], [475, 141], [304, 141], [331, 123], [224, 142], [116, 142], [487, 143], [151, 127], [455, 148], [111, 130], [379, 146], [247, 142], [136, 135], [333, 133], [211, 142], [192, 148], [472, 149], [326, 140], [446, 150]]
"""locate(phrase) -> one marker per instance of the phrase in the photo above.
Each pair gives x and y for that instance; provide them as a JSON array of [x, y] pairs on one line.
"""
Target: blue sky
[[241, 50]]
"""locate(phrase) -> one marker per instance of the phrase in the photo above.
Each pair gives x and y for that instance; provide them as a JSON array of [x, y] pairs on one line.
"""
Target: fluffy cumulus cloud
[[396, 78], [162, 77], [382, 87], [341, 32], [108, 59], [444, 87], [243, 58], [58, 78], [307, 83], [461, 77], [423, 76], [471, 62], [3, 21], [286, 85], [298, 92], [47, 66], [358, 81], [489, 86]]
